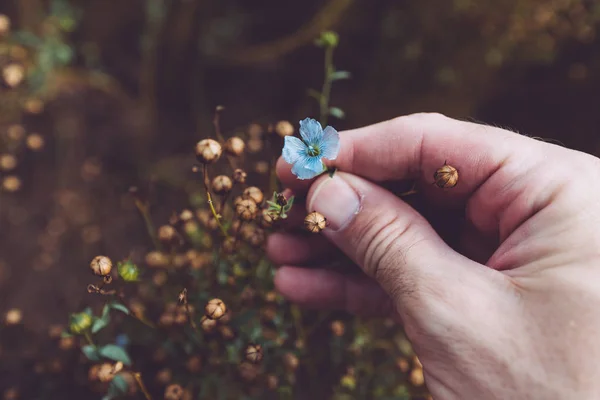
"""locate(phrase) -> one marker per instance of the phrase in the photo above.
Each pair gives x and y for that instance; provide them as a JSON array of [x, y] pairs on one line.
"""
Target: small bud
[[215, 309], [8, 162], [208, 325], [338, 328], [328, 39], [239, 176], [101, 265], [315, 222], [35, 142], [446, 176], [229, 245], [4, 24], [235, 146], [13, 74], [284, 128], [167, 235], [156, 259], [272, 382], [281, 200], [221, 184], [105, 373], [208, 151], [13, 317], [128, 271], [255, 131], [255, 145], [246, 209], [290, 361], [267, 218], [254, 353], [248, 372], [253, 193], [174, 392], [416, 377], [11, 183], [80, 323]]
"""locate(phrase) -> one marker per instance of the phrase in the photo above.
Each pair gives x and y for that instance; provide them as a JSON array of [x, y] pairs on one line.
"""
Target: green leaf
[[115, 353], [105, 310], [337, 112], [314, 94], [119, 307], [91, 352], [339, 75], [100, 323]]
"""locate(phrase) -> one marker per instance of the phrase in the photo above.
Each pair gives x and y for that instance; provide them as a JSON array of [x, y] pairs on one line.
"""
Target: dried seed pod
[[229, 245], [208, 151], [246, 209], [215, 309], [13, 74], [194, 364], [284, 128], [101, 265], [416, 377], [267, 218], [156, 259], [167, 235], [290, 361], [186, 215], [446, 177], [8, 162], [235, 146], [226, 332], [315, 222], [4, 24], [221, 184], [13, 317], [239, 176], [253, 193], [402, 364], [35, 142], [338, 328], [255, 131], [174, 392], [208, 325], [11, 183], [105, 373], [254, 353], [256, 238]]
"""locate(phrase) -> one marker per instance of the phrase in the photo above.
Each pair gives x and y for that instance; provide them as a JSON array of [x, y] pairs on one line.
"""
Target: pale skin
[[511, 313]]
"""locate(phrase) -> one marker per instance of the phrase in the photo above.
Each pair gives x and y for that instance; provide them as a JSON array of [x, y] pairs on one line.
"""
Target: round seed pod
[[254, 353], [256, 238], [235, 146], [253, 193], [221, 184], [13, 74], [239, 176], [446, 177], [315, 222], [208, 151], [101, 265], [246, 209], [35, 142], [284, 128], [174, 392], [255, 145], [8, 162], [11, 183], [267, 219], [208, 325], [167, 234], [215, 309], [290, 361], [338, 328]]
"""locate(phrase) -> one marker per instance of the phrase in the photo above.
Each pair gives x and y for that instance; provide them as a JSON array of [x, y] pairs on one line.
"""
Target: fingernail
[[336, 200]]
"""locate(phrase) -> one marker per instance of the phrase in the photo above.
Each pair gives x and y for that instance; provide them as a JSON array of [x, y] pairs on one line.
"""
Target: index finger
[[417, 145]]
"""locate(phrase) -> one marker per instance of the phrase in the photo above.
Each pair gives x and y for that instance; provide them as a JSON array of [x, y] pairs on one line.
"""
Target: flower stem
[[143, 209], [210, 202], [88, 337], [326, 90], [138, 379]]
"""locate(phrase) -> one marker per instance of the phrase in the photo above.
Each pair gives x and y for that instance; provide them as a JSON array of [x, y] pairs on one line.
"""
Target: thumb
[[392, 243]]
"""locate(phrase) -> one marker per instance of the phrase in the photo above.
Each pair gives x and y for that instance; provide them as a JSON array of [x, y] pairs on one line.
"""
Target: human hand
[[524, 322]]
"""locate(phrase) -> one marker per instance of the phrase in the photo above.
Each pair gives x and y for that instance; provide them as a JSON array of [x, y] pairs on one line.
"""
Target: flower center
[[313, 150]]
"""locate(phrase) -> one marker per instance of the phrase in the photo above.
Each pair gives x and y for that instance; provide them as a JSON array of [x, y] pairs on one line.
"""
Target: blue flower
[[307, 154]]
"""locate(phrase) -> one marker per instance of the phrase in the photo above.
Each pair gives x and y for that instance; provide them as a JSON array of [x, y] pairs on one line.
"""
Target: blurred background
[[99, 95]]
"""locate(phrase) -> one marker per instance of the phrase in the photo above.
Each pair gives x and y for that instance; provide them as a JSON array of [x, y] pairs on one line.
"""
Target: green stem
[[143, 208], [89, 339], [326, 91], [210, 202]]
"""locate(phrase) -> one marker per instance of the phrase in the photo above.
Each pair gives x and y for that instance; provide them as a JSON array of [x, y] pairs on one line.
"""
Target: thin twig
[[210, 202], [138, 379]]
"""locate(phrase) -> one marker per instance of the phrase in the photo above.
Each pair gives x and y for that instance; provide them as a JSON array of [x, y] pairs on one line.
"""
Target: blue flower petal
[[308, 168], [330, 143], [293, 149], [310, 130]]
